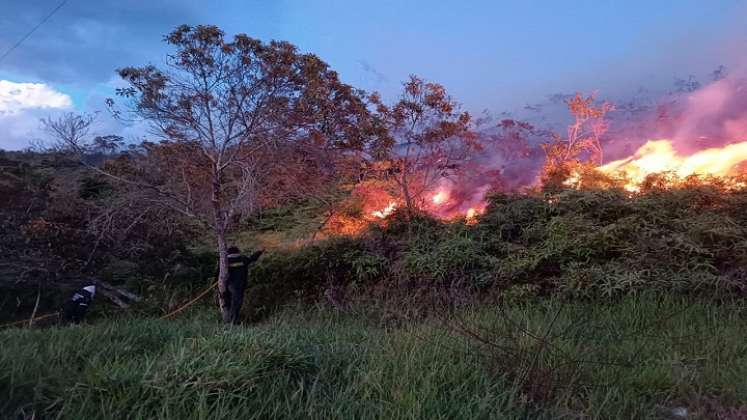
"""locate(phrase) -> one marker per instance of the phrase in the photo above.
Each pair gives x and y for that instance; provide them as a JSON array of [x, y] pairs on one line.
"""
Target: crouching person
[[76, 308], [238, 276]]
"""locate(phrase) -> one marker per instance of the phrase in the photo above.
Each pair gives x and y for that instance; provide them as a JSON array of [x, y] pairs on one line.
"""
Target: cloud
[[16, 97], [21, 107]]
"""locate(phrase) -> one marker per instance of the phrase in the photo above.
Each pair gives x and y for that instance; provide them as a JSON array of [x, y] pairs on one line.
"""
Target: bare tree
[[582, 142], [70, 130]]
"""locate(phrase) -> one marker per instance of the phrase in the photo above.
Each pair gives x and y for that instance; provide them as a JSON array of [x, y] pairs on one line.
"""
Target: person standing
[[238, 276]]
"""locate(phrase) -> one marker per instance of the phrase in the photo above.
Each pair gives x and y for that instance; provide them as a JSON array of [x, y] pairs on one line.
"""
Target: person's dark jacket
[[238, 273], [75, 308], [238, 267]]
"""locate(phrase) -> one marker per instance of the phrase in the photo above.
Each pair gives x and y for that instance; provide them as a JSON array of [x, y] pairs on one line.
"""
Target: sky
[[494, 55]]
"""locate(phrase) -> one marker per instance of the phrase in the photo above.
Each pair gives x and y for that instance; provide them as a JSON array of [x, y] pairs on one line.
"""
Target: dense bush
[[579, 244], [64, 224]]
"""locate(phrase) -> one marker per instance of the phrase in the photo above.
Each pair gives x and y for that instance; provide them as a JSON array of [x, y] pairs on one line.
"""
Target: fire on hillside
[[440, 204], [658, 156], [451, 201], [654, 157], [687, 141]]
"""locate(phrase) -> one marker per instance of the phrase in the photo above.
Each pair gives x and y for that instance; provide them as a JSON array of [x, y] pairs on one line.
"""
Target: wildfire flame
[[441, 202], [386, 211], [470, 217], [441, 197], [659, 156]]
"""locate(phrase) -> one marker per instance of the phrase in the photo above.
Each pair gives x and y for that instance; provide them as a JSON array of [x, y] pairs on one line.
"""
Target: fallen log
[[114, 298], [129, 295]]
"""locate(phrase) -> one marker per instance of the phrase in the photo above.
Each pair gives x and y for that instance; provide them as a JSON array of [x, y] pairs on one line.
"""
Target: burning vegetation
[[415, 205], [441, 163], [660, 156], [370, 166]]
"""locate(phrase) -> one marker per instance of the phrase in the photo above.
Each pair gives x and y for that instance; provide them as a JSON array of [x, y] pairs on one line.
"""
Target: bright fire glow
[[386, 211], [441, 197], [659, 156]]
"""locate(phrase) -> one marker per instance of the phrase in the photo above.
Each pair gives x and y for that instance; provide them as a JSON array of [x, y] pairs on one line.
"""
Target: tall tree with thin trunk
[[229, 113], [429, 138]]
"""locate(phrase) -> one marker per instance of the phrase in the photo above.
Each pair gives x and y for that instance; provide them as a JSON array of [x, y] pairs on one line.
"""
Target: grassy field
[[639, 358]]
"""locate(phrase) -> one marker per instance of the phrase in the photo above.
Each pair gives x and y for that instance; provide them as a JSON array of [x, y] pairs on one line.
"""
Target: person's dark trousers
[[236, 299], [74, 312]]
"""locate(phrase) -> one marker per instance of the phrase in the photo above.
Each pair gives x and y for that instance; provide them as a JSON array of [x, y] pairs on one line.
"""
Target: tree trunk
[[406, 191], [408, 201], [220, 234], [222, 275]]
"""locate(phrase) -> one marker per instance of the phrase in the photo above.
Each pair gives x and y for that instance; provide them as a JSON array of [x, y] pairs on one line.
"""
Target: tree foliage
[[428, 138], [240, 119], [582, 143]]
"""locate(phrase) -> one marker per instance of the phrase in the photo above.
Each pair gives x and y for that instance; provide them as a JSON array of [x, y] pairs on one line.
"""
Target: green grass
[[310, 363]]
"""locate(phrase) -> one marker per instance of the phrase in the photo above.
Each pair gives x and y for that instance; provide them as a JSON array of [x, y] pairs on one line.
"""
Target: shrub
[[579, 243]]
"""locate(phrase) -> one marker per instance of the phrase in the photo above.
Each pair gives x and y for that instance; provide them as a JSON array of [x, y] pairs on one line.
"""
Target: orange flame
[[386, 211], [471, 216], [441, 197], [659, 156]]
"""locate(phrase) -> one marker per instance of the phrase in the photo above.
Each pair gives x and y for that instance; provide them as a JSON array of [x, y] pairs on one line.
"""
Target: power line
[[25, 37]]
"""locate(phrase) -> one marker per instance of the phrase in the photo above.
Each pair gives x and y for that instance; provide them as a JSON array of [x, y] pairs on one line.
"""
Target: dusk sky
[[496, 55]]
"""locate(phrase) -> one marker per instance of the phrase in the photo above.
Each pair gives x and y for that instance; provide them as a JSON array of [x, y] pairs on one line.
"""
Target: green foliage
[[578, 243], [605, 243], [310, 270], [640, 353], [456, 259], [95, 187], [620, 360], [288, 368]]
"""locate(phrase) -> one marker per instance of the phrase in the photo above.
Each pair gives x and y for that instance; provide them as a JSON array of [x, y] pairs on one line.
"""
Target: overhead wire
[[31, 32]]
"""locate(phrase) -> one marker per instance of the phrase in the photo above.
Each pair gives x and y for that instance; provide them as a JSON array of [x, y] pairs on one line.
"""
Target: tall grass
[[631, 359], [323, 365]]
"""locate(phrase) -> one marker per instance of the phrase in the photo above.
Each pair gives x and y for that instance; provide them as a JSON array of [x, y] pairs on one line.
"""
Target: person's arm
[[254, 257]]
